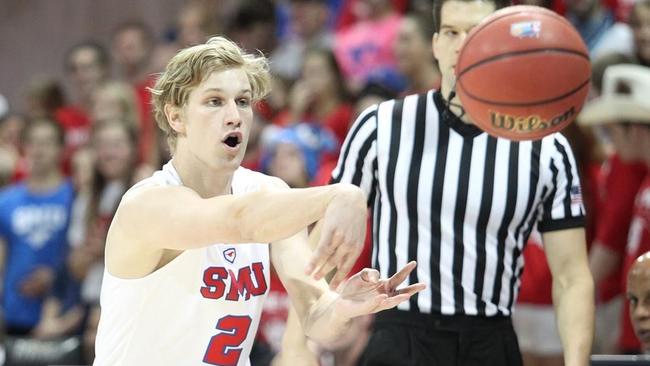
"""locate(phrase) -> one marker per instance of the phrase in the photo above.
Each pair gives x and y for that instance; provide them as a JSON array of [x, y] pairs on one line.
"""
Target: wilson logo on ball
[[530, 123]]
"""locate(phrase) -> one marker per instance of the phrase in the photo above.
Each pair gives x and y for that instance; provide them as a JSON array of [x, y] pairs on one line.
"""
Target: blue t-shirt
[[34, 227]]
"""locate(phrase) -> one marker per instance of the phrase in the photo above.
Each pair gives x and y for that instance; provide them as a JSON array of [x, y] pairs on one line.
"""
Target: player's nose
[[232, 115]]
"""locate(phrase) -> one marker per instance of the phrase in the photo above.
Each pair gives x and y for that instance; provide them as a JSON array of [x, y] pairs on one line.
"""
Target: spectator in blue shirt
[[34, 217]]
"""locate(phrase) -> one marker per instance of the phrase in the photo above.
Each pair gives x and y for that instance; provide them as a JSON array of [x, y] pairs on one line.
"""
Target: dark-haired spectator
[[132, 48], [252, 26], [592, 20], [319, 96], [414, 57], [87, 67], [34, 218], [308, 29]]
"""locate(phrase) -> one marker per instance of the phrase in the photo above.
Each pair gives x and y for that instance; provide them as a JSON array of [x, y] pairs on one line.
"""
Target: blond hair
[[192, 65]]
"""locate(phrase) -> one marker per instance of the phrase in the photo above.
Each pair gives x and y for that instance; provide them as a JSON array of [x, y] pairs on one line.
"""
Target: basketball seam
[[527, 104], [519, 53]]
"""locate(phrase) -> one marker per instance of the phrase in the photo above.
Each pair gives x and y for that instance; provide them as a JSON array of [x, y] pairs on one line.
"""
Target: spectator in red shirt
[[624, 109], [319, 96], [87, 67], [132, 45]]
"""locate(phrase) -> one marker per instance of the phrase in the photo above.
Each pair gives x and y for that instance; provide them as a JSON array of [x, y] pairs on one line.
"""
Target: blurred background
[[76, 131]]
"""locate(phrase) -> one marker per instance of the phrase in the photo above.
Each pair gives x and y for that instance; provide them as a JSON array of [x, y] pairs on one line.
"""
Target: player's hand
[[342, 235], [366, 293]]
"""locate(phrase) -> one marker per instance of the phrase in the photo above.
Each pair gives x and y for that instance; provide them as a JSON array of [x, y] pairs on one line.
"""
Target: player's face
[[457, 18], [638, 292], [217, 119]]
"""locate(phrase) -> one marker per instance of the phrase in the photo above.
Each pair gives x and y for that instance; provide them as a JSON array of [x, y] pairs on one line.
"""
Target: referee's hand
[[342, 235]]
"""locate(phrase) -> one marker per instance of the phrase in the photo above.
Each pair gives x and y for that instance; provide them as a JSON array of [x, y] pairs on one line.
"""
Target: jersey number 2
[[223, 349]]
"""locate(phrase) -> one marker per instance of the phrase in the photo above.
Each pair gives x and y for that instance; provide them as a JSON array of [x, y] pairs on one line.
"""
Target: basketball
[[523, 73]]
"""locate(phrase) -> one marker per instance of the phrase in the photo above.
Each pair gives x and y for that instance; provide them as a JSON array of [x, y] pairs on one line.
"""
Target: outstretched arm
[[180, 219], [573, 292]]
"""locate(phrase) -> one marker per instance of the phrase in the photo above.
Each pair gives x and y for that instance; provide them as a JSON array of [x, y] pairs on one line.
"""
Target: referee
[[462, 204]]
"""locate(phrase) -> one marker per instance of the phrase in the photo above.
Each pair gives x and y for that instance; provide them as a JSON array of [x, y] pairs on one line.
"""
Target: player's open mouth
[[233, 139]]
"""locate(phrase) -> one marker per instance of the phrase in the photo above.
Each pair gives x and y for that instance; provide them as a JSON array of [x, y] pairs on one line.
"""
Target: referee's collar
[[452, 121]]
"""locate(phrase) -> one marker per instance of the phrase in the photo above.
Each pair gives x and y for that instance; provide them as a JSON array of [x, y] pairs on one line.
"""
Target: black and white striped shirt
[[459, 201]]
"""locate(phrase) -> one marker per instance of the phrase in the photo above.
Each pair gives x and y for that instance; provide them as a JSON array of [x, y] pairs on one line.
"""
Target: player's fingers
[[341, 272], [334, 261], [370, 275], [326, 264], [402, 275], [323, 251], [391, 302], [410, 290]]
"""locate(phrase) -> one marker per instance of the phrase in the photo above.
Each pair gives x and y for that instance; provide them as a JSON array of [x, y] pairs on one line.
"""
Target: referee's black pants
[[412, 339]]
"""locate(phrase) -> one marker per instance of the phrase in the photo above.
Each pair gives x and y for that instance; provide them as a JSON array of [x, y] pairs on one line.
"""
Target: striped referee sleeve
[[562, 207], [358, 160]]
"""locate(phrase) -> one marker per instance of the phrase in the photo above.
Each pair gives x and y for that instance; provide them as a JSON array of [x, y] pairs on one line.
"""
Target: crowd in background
[[67, 158]]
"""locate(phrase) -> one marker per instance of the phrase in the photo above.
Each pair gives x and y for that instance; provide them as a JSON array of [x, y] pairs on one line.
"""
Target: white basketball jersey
[[202, 308]]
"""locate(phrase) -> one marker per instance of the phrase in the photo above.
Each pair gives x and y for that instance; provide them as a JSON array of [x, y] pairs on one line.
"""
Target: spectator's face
[[130, 48], [43, 149], [411, 48], [214, 124], [638, 292], [115, 153], [309, 17], [641, 28], [10, 131], [289, 164], [190, 24], [86, 72], [106, 106], [457, 18], [318, 74], [622, 141]]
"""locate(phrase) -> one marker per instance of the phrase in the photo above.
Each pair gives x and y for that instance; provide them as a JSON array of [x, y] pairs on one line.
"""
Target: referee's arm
[[566, 251], [573, 292]]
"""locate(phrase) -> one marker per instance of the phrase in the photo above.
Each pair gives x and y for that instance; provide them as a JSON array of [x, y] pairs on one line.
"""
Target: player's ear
[[174, 116]]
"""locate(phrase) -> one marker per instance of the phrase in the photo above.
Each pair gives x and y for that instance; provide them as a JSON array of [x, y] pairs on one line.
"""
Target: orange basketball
[[523, 73]]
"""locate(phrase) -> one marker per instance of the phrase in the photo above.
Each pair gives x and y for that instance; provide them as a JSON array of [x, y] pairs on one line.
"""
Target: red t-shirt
[[76, 127], [638, 243], [147, 135], [536, 280], [619, 185]]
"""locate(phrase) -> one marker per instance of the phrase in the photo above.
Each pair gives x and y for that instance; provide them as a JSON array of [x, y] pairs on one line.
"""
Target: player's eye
[[243, 102], [215, 101]]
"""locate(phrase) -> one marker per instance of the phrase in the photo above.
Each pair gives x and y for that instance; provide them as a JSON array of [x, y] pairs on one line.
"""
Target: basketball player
[[463, 203], [187, 254]]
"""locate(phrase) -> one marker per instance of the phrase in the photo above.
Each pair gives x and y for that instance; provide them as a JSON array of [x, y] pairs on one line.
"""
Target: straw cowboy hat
[[625, 97]]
